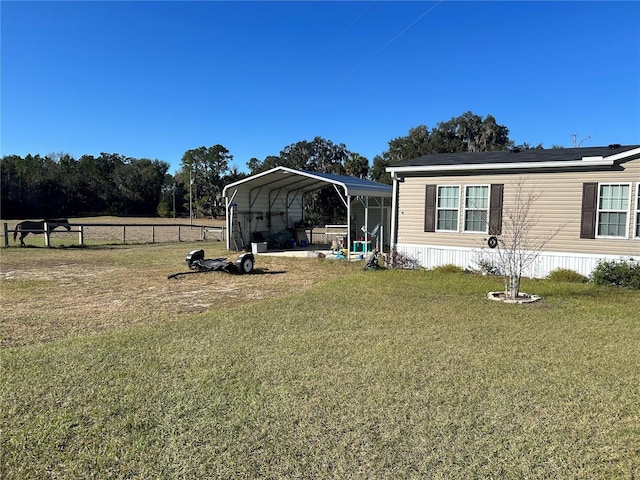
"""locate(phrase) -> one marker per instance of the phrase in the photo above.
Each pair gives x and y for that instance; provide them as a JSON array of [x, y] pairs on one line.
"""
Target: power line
[[398, 35]]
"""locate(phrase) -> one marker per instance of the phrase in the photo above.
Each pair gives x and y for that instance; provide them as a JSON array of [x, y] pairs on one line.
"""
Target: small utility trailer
[[198, 264]]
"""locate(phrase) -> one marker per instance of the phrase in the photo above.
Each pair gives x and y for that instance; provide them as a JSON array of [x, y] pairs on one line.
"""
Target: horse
[[27, 227]]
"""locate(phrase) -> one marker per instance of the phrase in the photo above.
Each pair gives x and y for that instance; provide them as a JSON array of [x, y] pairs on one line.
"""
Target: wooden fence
[[219, 232]]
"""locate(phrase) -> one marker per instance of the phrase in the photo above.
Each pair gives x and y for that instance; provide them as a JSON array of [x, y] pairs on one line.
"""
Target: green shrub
[[566, 275], [164, 208], [619, 273], [449, 268]]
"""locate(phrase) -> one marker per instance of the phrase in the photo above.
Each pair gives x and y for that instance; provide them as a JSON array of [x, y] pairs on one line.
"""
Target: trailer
[[198, 264]]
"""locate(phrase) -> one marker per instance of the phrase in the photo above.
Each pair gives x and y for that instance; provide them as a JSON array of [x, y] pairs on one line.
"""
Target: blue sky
[[154, 79]]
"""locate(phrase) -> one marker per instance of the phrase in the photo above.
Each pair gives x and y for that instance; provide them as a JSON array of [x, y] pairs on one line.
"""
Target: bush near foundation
[[449, 268], [567, 275], [619, 273]]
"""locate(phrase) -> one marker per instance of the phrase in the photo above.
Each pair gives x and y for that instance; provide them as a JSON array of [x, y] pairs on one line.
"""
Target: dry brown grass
[[49, 294]]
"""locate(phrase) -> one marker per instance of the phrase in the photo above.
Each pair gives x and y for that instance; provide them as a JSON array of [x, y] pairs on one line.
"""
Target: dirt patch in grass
[[50, 294]]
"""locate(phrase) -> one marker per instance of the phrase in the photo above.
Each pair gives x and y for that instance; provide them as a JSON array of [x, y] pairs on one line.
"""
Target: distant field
[[102, 234]]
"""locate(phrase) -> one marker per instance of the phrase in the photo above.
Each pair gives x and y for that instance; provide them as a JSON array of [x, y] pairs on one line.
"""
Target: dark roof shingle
[[508, 156]]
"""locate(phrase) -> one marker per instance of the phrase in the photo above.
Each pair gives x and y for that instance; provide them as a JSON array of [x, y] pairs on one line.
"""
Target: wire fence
[[109, 233]]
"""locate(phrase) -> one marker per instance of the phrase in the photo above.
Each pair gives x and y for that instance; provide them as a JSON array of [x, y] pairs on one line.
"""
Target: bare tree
[[519, 245]]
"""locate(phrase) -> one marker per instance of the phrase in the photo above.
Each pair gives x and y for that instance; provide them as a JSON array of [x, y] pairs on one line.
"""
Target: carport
[[271, 203]]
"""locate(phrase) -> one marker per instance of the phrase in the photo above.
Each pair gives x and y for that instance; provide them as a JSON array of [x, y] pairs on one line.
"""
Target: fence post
[[153, 234], [124, 234], [47, 240], [81, 235], [179, 234], [6, 235]]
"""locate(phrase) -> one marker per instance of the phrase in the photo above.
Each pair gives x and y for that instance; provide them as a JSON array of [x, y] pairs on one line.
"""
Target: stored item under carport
[[198, 264]]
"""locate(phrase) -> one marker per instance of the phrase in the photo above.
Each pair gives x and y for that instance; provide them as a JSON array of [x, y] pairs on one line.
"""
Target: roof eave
[[591, 162], [621, 155], [599, 161], [370, 193]]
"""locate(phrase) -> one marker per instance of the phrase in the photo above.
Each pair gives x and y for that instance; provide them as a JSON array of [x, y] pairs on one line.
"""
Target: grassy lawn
[[308, 369]]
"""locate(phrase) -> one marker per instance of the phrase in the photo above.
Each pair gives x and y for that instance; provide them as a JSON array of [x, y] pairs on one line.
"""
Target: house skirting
[[431, 256]]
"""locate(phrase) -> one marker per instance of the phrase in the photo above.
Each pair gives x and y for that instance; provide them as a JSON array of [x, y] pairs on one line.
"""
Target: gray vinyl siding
[[558, 207]]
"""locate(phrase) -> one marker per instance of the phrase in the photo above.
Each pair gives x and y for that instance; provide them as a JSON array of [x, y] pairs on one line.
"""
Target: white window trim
[[628, 211], [486, 210], [457, 230], [636, 199]]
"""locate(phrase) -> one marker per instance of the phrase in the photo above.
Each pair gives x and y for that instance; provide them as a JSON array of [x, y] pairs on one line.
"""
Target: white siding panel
[[431, 256]]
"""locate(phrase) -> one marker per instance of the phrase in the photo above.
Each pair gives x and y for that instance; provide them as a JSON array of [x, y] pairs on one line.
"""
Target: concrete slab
[[310, 252]]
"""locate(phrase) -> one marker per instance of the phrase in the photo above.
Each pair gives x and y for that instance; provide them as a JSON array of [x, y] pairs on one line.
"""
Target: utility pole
[[174, 199], [190, 198]]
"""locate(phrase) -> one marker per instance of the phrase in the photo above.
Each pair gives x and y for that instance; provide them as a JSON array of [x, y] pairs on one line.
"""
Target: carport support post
[[229, 219], [348, 227], [366, 224], [380, 238], [394, 213], [47, 240]]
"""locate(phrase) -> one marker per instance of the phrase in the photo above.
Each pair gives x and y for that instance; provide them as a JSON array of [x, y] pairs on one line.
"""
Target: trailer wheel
[[246, 264]]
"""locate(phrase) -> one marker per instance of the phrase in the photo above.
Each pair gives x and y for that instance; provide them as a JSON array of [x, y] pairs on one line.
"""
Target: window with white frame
[[613, 209], [638, 210], [476, 208], [447, 206]]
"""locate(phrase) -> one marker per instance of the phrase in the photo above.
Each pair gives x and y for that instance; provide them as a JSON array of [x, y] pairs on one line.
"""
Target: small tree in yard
[[518, 247]]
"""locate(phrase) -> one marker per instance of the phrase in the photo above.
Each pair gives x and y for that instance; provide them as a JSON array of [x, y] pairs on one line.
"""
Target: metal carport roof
[[284, 179], [300, 180]]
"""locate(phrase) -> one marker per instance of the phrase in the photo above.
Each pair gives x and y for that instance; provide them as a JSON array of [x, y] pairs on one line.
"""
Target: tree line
[[112, 184], [59, 185]]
